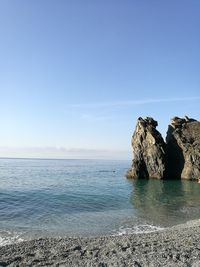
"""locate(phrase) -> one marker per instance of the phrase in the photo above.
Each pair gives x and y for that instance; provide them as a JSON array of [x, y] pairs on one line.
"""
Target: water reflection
[[164, 202]]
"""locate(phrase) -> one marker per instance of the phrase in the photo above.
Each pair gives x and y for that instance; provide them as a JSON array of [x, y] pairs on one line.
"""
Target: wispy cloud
[[94, 118], [135, 102]]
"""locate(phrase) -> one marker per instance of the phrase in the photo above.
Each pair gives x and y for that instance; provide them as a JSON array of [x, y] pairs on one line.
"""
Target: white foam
[[7, 238], [139, 229]]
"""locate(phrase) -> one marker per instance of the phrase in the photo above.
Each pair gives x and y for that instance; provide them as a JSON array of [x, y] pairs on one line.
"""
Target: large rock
[[178, 158], [149, 151], [183, 148]]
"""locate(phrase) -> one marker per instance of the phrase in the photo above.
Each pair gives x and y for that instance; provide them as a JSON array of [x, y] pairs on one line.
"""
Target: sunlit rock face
[[149, 151], [178, 158], [183, 148]]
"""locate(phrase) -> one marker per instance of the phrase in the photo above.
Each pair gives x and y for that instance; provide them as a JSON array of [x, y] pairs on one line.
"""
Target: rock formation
[[183, 148], [149, 151], [179, 157]]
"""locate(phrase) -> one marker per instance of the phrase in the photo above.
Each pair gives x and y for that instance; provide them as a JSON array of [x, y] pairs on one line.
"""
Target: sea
[[76, 198]]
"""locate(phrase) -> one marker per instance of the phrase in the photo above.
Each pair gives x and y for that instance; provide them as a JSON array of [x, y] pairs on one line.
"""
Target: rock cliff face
[[179, 157], [183, 148], [149, 151]]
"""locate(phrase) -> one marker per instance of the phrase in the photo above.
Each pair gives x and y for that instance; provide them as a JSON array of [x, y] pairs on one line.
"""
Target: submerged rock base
[[178, 157]]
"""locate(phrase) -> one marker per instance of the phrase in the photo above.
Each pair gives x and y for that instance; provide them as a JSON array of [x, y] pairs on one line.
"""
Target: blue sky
[[75, 75]]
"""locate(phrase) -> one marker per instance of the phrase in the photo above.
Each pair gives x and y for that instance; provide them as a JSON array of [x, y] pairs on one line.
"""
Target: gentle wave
[[139, 229], [8, 238]]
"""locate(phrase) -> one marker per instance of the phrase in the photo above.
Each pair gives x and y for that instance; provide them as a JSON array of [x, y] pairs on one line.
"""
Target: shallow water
[[40, 198]]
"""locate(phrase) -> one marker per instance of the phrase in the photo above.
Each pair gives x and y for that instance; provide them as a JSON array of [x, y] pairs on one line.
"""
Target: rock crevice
[[178, 157]]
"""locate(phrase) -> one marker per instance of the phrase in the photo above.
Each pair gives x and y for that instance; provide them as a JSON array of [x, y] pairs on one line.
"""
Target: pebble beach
[[175, 246]]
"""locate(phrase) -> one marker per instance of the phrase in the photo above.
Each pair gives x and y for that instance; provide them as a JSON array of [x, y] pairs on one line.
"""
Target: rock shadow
[[175, 159]]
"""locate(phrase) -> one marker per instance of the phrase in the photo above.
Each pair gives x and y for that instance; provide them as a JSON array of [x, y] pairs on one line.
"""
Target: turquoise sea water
[[40, 198]]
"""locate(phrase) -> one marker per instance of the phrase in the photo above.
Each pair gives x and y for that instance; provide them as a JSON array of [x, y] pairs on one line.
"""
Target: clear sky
[[75, 75]]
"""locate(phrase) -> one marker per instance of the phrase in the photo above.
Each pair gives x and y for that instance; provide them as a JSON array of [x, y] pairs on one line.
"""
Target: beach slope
[[177, 246]]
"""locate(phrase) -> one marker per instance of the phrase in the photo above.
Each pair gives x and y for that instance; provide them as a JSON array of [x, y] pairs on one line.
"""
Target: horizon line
[[41, 158], [62, 153]]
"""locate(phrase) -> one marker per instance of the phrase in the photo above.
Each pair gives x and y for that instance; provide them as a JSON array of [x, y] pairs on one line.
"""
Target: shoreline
[[175, 246]]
